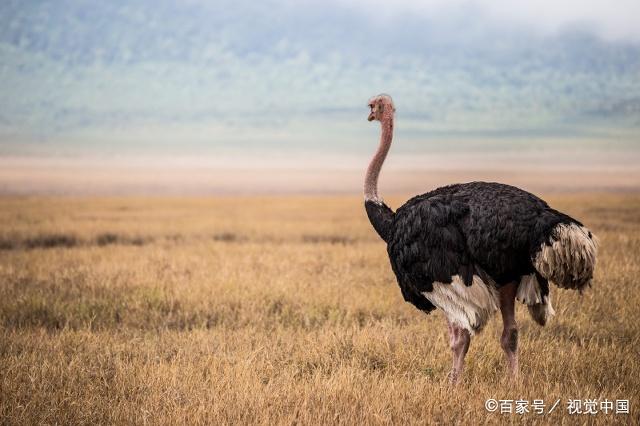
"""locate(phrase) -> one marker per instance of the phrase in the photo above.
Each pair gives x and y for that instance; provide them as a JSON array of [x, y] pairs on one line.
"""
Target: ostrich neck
[[371, 179]]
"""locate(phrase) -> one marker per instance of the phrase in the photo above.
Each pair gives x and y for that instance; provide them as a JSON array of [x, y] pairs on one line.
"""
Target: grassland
[[279, 311]]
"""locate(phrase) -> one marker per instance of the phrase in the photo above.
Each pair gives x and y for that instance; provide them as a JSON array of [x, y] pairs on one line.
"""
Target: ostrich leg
[[459, 340], [509, 339]]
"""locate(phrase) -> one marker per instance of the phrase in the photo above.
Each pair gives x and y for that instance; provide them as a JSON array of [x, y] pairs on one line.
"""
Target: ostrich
[[472, 248]]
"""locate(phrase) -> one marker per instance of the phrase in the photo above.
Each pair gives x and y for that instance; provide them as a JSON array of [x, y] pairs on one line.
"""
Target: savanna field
[[280, 310]]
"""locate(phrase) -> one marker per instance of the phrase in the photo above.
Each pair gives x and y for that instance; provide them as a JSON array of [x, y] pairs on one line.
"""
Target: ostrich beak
[[371, 117]]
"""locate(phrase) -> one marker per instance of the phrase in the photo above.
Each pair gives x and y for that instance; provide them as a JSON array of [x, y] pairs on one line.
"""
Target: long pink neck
[[371, 179]]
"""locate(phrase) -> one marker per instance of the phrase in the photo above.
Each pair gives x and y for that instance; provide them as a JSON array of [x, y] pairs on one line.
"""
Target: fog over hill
[[245, 85]]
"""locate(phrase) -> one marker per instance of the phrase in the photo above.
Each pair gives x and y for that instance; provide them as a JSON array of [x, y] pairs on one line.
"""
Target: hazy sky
[[238, 78]]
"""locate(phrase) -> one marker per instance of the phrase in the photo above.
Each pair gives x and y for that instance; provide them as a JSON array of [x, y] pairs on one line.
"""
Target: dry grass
[[278, 311]]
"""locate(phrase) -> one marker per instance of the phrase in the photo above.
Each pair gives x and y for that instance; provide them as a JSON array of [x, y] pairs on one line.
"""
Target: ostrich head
[[381, 107]]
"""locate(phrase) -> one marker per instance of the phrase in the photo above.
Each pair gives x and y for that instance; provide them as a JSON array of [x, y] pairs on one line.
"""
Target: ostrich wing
[[427, 245]]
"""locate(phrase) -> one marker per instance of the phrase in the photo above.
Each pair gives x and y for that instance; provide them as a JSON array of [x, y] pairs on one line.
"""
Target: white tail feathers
[[529, 290], [529, 293], [570, 259]]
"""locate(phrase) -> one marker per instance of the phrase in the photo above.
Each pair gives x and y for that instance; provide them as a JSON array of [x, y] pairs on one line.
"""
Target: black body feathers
[[487, 229], [381, 217]]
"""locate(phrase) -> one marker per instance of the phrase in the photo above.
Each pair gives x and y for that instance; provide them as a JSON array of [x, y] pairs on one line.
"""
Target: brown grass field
[[280, 310]]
